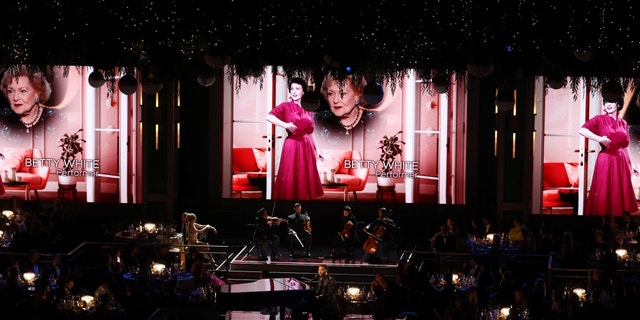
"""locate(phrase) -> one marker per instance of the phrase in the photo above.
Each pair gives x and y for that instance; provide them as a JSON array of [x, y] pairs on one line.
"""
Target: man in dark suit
[[299, 231], [488, 227], [326, 306]]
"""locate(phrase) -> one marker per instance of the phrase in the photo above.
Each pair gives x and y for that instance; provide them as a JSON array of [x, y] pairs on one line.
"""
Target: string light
[[419, 35]]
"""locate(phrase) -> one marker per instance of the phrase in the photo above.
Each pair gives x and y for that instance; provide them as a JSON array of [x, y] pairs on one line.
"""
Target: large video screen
[[339, 142], [60, 136]]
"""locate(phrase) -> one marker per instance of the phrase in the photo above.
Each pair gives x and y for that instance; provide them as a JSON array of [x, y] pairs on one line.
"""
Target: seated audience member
[[627, 225], [488, 227], [609, 227], [439, 240], [199, 270], [515, 233], [506, 285], [131, 257], [66, 289], [571, 253], [528, 243], [191, 258], [32, 263], [42, 306], [545, 243], [165, 256]]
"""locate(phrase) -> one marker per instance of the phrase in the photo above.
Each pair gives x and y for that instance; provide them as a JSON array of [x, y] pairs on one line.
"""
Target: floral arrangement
[[390, 147], [71, 145]]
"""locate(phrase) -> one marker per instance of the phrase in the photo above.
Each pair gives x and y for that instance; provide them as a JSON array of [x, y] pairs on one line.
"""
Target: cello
[[370, 246]]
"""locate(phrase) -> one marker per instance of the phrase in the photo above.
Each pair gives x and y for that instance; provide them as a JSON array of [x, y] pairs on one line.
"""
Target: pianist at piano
[[326, 294], [264, 294]]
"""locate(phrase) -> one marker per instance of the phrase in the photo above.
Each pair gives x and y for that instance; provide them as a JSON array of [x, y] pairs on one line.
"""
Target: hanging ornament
[[128, 84], [556, 82], [151, 84], [584, 54], [96, 79], [310, 101], [373, 94], [441, 83], [216, 58]]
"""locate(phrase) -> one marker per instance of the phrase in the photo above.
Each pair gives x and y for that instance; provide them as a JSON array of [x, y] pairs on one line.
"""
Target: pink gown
[[298, 177], [611, 188]]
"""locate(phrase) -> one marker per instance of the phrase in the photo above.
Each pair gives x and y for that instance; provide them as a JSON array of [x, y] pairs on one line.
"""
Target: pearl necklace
[[353, 124], [35, 120]]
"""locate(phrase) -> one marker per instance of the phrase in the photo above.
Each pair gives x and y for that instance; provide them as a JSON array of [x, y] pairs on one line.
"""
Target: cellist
[[346, 234], [379, 231]]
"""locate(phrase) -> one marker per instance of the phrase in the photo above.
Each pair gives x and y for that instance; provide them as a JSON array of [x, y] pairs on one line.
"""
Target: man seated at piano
[[326, 306], [299, 231], [266, 236]]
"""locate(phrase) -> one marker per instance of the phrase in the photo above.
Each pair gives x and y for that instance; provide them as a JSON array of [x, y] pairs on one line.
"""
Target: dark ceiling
[[508, 37]]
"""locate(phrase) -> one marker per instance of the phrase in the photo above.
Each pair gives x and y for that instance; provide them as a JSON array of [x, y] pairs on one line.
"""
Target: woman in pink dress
[[611, 189], [298, 177]]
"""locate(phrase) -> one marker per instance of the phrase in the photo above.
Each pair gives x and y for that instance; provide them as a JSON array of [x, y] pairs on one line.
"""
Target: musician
[[299, 230], [380, 231], [266, 235], [345, 236], [194, 228], [326, 296]]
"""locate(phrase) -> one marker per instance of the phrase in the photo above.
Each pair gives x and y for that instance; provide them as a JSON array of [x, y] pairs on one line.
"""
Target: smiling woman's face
[[21, 95], [341, 99]]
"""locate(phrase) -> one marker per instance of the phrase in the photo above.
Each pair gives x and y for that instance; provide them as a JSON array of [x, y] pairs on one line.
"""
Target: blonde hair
[[191, 217], [36, 79], [356, 86]]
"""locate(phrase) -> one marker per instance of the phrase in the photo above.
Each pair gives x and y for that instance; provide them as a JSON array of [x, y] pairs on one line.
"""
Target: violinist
[[346, 233], [266, 236], [299, 231], [379, 231]]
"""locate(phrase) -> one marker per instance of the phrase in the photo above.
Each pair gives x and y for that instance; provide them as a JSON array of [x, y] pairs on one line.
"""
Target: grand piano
[[267, 295]]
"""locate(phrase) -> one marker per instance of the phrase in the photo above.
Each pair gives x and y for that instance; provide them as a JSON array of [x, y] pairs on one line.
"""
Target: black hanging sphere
[[310, 101], [128, 84], [373, 93], [96, 79]]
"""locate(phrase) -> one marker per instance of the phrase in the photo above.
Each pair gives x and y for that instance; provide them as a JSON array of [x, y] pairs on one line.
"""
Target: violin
[[307, 222], [275, 219]]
